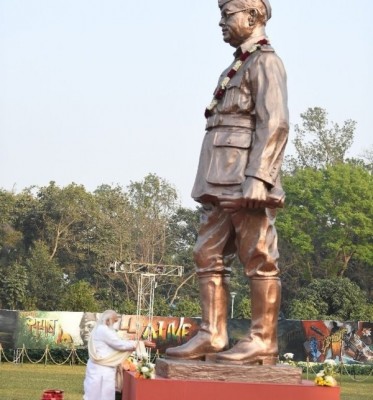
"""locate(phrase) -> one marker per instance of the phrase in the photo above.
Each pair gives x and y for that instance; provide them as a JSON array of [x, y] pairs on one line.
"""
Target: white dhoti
[[99, 382], [106, 353]]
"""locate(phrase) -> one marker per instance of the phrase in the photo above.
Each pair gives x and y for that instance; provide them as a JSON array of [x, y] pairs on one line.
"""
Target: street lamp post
[[233, 295]]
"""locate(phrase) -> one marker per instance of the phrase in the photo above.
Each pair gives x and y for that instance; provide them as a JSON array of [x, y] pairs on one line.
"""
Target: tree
[[337, 298], [155, 201], [243, 308], [143, 226], [63, 219], [46, 281], [306, 309], [326, 224], [13, 287], [62, 212], [328, 221], [187, 307], [367, 156], [79, 296], [111, 239], [63, 235], [161, 305], [12, 250], [12, 235], [318, 143], [182, 235]]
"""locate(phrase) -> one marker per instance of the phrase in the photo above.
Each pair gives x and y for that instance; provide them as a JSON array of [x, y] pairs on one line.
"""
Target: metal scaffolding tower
[[147, 284]]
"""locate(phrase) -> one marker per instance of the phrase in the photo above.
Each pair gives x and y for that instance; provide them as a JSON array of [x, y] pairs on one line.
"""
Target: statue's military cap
[[241, 4]]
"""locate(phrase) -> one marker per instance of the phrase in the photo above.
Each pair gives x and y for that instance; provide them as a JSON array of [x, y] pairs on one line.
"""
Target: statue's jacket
[[248, 129]]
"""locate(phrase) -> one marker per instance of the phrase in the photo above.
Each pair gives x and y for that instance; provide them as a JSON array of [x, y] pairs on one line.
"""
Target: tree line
[[57, 243]]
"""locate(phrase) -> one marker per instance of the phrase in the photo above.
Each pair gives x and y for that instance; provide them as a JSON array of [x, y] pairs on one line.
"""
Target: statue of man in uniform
[[238, 186]]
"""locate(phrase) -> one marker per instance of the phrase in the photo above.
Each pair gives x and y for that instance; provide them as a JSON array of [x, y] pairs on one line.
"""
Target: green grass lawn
[[28, 381], [356, 388]]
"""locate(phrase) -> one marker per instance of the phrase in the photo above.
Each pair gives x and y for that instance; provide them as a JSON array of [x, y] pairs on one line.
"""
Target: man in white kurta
[[106, 352]]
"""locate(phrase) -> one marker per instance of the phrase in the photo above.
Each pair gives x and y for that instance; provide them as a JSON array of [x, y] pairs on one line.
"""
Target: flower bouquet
[[326, 376], [130, 364], [145, 369], [142, 367]]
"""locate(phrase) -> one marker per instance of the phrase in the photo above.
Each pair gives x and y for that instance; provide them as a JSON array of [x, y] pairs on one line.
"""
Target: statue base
[[208, 370], [186, 389]]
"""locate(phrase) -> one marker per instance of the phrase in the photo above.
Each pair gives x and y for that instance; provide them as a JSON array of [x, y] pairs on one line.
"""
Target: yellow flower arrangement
[[326, 376]]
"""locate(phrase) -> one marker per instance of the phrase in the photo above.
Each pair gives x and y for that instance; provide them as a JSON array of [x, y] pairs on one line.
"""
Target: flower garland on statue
[[142, 367], [326, 376], [220, 90]]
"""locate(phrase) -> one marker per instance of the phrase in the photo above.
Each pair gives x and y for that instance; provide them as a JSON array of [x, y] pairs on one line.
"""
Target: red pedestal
[[173, 389]]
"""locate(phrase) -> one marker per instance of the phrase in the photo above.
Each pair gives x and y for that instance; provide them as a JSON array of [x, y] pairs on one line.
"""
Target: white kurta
[[99, 382]]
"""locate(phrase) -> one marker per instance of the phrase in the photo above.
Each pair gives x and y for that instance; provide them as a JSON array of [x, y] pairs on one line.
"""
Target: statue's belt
[[233, 120]]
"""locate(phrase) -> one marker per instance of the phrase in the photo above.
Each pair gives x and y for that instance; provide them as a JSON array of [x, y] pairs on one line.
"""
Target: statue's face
[[235, 25]]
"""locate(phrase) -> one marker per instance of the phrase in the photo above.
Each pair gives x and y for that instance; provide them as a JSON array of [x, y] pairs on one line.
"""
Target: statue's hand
[[254, 193]]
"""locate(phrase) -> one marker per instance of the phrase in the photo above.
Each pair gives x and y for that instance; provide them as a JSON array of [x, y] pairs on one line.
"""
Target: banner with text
[[316, 341]]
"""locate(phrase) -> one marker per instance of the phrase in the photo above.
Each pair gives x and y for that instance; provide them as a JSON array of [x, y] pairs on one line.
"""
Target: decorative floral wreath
[[220, 90]]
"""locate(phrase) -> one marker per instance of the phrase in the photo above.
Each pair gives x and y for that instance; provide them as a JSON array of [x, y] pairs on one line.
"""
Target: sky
[[107, 91]]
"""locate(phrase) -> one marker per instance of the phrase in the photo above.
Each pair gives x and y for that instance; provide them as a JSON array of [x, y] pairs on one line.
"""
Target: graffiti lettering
[[170, 332], [47, 326], [159, 330]]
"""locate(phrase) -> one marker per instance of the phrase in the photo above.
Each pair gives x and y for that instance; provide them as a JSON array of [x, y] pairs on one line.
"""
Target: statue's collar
[[246, 46]]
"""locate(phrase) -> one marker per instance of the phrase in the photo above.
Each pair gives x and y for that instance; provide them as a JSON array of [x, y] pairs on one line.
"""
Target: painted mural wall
[[316, 341]]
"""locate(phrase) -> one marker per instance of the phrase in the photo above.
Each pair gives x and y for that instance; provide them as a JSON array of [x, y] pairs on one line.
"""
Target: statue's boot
[[212, 336], [260, 346]]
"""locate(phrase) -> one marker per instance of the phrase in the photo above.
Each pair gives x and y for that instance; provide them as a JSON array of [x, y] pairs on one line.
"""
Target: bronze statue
[[239, 187]]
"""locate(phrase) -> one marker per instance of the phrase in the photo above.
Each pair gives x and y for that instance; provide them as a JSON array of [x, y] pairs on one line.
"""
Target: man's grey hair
[[106, 315]]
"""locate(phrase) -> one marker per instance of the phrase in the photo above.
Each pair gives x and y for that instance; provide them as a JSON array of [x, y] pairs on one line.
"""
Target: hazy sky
[[107, 91]]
